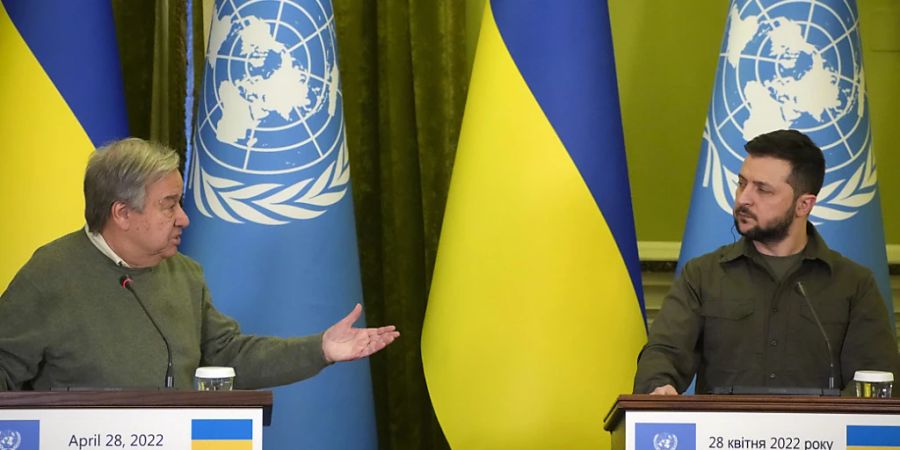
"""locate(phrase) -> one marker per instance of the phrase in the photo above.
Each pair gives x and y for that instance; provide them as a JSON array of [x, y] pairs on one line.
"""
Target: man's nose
[[743, 197], [181, 218]]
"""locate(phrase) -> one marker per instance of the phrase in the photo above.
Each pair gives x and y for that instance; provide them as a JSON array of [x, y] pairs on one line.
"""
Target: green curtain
[[152, 39], [405, 72]]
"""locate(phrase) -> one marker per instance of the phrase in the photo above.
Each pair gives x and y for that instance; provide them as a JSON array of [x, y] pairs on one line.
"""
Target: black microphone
[[125, 281], [824, 335]]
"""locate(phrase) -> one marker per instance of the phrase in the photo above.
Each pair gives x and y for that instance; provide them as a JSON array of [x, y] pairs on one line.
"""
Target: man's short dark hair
[[806, 159]]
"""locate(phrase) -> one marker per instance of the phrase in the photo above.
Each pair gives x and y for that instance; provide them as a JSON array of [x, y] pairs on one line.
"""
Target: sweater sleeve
[[23, 335], [258, 361], [670, 356]]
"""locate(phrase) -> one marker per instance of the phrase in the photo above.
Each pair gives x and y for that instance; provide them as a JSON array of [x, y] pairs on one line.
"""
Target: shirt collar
[[815, 249], [100, 243]]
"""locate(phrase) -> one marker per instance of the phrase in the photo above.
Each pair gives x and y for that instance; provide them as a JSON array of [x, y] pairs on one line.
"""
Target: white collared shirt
[[100, 243]]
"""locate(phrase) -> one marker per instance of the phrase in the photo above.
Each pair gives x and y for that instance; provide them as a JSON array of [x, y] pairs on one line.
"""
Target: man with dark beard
[[737, 317]]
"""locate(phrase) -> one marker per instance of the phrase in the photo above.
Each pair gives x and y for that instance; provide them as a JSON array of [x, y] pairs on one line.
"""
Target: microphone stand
[[831, 376], [125, 281]]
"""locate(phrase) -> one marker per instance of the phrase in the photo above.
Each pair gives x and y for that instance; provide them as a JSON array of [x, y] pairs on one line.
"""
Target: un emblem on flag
[[793, 65], [269, 138]]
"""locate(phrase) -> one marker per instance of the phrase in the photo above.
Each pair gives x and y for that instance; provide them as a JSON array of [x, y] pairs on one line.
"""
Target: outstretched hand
[[342, 342]]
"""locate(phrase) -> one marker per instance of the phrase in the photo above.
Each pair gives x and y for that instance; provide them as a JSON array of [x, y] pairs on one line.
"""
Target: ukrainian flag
[[873, 437], [221, 434], [62, 95], [534, 319]]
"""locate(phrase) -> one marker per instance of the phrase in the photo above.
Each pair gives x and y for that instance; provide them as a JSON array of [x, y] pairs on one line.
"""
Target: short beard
[[773, 234]]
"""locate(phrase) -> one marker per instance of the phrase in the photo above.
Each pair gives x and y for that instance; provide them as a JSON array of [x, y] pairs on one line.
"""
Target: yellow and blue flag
[[792, 65], [873, 437], [62, 96], [221, 434], [534, 319], [268, 194]]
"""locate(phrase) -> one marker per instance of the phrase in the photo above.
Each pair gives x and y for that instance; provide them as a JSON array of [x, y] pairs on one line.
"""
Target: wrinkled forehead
[[166, 186]]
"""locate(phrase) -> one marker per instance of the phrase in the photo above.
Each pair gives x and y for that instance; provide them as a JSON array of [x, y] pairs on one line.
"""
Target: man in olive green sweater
[[67, 321], [737, 317]]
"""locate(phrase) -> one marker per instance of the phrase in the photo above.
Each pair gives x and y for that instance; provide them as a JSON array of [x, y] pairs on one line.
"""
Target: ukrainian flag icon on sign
[[872, 437], [221, 434]]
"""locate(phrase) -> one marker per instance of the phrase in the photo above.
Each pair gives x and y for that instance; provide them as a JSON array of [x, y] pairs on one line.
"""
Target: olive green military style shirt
[[731, 321]]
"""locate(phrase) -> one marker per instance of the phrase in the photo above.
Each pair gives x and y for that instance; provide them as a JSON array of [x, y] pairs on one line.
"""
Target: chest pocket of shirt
[[727, 326], [727, 309], [805, 337], [833, 312]]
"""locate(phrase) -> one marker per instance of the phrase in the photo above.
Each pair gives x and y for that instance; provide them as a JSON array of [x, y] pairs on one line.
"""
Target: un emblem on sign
[[793, 65], [665, 441], [269, 139], [10, 439]]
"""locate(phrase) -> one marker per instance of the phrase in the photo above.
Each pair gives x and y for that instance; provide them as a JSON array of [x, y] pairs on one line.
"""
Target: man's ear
[[805, 205], [120, 215]]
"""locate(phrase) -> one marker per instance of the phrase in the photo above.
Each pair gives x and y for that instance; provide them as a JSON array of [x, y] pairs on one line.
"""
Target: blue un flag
[[792, 65], [268, 193]]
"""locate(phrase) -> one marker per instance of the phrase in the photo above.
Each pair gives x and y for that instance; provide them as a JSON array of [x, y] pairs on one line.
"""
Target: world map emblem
[[793, 65], [665, 441], [10, 439], [269, 142]]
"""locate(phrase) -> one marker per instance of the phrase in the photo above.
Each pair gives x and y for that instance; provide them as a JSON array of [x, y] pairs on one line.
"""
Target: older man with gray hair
[[66, 320]]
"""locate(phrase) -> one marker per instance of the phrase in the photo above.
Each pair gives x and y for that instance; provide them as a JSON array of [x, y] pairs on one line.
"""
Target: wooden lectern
[[133, 419], [719, 422]]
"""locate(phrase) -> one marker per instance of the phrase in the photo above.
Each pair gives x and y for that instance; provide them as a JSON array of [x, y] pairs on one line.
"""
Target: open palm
[[342, 342]]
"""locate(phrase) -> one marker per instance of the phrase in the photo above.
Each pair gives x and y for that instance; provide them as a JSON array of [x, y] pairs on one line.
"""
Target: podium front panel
[[695, 430], [132, 428]]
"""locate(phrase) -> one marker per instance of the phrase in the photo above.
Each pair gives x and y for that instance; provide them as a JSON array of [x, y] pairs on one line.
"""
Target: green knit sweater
[[66, 322]]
